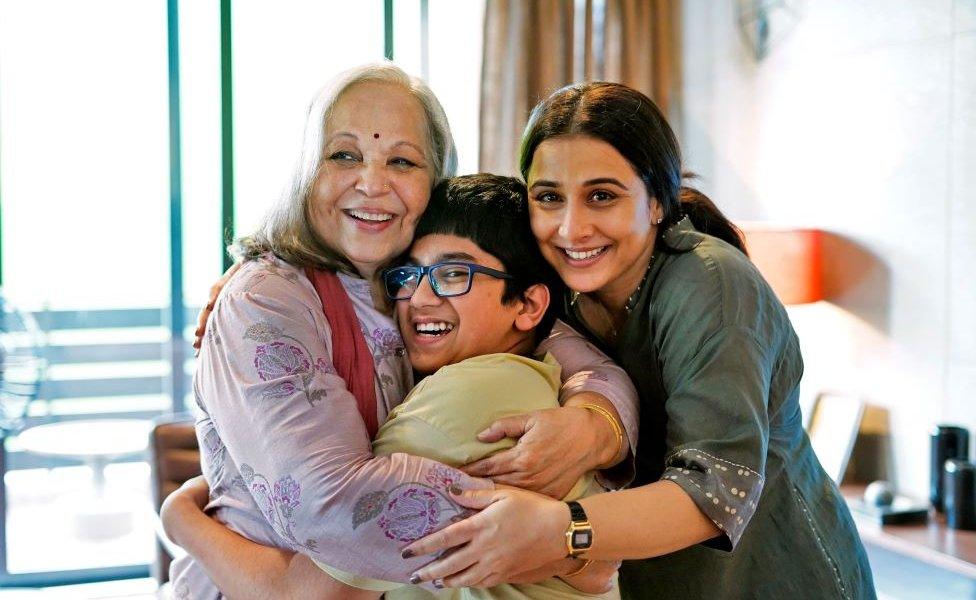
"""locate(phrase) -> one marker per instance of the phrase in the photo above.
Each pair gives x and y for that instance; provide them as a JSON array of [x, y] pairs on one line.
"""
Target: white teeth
[[365, 216], [584, 255], [433, 327]]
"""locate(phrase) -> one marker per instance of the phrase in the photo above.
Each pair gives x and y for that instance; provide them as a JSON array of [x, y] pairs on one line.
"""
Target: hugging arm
[[242, 569], [557, 446]]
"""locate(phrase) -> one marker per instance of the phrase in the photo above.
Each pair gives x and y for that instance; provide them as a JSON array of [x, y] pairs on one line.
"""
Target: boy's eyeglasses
[[446, 279]]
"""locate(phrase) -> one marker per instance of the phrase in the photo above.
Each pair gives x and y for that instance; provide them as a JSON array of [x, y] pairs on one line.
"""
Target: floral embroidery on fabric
[[413, 510], [442, 477], [263, 332], [368, 508], [386, 342], [411, 514], [281, 390], [277, 501], [275, 359], [287, 494], [325, 367]]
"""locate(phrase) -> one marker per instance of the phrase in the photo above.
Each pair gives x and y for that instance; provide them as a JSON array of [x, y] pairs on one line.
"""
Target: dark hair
[[630, 122], [492, 211]]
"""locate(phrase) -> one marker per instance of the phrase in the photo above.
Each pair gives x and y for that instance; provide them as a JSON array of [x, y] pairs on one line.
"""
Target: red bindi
[[376, 136]]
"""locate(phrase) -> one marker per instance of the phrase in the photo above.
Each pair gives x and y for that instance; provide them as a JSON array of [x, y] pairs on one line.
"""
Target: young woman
[[729, 500], [301, 362]]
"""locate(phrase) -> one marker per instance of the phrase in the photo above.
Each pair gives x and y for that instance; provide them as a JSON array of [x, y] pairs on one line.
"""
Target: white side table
[[97, 442]]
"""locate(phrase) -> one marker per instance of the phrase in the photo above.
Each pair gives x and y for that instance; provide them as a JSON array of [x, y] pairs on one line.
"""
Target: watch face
[[582, 538]]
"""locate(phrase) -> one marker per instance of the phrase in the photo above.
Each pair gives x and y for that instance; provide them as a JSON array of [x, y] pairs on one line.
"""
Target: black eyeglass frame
[[422, 270]]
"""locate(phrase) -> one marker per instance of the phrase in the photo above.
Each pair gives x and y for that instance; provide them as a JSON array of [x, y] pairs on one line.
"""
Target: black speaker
[[959, 486], [948, 442]]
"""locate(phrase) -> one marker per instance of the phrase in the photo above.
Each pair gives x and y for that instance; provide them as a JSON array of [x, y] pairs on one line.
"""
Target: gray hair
[[285, 229]]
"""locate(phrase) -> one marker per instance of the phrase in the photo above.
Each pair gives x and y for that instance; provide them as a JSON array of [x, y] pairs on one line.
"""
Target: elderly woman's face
[[375, 177]]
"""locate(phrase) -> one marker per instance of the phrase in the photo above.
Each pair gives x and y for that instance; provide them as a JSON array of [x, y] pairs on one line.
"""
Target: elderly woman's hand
[[516, 531], [555, 448], [211, 300]]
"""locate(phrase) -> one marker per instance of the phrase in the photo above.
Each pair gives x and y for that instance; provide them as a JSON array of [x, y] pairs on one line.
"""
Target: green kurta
[[717, 365]]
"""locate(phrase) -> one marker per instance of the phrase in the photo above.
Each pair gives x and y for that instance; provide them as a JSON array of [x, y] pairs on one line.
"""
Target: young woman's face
[[375, 180], [591, 213]]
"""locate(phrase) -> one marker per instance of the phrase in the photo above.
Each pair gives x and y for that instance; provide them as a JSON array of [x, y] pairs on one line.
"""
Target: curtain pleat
[[534, 47]]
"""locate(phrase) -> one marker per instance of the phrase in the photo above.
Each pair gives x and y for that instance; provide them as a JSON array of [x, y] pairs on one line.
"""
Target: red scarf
[[350, 355]]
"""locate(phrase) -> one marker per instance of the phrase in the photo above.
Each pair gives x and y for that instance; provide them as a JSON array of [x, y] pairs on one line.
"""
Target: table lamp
[[791, 261]]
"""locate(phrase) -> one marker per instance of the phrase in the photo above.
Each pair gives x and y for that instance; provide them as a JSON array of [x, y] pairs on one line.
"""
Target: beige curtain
[[533, 47]]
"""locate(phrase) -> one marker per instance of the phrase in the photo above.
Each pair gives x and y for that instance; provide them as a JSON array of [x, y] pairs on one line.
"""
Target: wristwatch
[[579, 533]]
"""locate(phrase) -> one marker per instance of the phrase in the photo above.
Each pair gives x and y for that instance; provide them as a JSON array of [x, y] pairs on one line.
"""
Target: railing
[[101, 363]]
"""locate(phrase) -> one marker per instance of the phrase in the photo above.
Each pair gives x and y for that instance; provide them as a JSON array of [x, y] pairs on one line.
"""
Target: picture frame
[[832, 427]]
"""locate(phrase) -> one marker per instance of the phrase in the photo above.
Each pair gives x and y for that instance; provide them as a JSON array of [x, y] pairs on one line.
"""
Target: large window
[[115, 201]]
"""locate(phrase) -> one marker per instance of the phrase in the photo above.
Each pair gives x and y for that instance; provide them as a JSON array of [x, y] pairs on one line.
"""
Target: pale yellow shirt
[[441, 418]]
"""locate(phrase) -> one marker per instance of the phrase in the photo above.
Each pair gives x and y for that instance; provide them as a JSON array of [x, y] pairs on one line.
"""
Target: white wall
[[860, 121]]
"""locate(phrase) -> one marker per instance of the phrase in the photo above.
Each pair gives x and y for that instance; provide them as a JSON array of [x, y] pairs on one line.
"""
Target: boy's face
[[474, 324]]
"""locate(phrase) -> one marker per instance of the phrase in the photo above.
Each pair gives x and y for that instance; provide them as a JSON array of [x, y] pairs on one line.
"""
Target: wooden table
[[932, 542]]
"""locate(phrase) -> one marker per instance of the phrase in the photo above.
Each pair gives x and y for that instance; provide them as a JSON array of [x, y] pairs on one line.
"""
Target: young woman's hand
[[516, 531], [211, 299], [555, 448]]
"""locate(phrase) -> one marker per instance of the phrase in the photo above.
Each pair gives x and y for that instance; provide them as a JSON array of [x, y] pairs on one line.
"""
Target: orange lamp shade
[[791, 260]]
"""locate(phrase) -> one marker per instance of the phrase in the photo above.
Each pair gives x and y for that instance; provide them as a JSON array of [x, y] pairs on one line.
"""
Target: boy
[[472, 303]]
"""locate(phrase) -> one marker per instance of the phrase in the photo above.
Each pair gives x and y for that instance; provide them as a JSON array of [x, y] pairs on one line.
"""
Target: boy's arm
[[242, 569]]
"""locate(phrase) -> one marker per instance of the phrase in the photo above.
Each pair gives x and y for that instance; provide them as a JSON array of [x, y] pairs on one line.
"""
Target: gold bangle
[[586, 563], [617, 429]]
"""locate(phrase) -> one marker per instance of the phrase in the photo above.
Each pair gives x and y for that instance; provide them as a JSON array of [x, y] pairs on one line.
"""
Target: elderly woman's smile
[[376, 176]]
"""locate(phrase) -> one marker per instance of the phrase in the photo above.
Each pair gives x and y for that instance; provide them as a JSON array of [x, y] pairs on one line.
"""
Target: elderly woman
[[302, 361]]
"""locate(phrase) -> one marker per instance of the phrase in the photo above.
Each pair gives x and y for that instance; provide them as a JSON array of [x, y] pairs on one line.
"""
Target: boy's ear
[[534, 301]]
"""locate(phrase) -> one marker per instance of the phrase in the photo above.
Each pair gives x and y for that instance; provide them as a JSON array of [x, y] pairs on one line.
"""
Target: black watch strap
[[576, 512]]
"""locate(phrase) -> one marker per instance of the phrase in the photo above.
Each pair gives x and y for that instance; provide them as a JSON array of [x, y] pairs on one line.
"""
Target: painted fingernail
[[408, 553], [455, 489], [439, 584], [415, 579]]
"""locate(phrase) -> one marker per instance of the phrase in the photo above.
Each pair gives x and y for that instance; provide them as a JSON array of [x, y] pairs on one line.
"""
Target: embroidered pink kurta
[[285, 450]]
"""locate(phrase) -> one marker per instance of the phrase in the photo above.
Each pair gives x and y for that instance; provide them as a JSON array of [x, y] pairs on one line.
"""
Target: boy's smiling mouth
[[433, 328], [430, 329]]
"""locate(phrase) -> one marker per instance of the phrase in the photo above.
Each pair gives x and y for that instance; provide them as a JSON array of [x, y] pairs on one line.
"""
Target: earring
[[659, 220]]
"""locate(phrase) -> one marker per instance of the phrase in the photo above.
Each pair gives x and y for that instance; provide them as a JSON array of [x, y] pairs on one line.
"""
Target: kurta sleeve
[[293, 431], [718, 429], [717, 374], [586, 369]]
